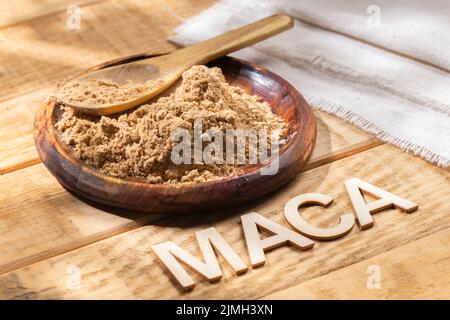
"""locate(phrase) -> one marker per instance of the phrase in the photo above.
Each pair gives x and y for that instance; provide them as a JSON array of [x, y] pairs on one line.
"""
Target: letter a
[[364, 211]]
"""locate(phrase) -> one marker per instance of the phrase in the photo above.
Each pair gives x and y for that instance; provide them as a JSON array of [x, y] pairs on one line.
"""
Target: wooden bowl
[[137, 195]]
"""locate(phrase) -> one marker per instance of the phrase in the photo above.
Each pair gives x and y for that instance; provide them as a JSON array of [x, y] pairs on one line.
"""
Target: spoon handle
[[205, 51]]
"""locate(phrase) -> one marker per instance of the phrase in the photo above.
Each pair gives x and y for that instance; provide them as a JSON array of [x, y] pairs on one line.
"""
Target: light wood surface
[[124, 266], [41, 51], [404, 273], [46, 234], [14, 12]]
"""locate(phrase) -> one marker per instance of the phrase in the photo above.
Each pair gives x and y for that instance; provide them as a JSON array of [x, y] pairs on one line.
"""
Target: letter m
[[209, 239]]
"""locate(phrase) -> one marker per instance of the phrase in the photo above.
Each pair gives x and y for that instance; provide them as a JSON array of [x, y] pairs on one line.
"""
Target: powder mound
[[139, 143]]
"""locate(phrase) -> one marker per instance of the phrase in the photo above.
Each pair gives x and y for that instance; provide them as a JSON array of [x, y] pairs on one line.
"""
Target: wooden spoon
[[167, 69]]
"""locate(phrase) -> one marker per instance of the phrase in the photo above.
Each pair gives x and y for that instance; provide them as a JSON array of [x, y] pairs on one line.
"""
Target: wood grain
[[39, 218], [418, 270], [40, 51], [16, 131], [125, 267], [19, 11]]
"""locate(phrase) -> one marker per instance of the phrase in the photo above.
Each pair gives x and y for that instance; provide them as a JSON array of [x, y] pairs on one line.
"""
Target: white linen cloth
[[383, 68]]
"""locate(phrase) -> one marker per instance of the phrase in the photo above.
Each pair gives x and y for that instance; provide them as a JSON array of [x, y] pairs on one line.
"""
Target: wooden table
[[48, 238]]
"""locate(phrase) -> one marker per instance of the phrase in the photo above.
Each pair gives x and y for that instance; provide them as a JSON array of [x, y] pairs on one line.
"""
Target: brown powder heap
[[139, 143], [102, 92]]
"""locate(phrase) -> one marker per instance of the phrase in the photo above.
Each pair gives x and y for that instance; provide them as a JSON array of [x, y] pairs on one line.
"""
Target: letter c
[[296, 220]]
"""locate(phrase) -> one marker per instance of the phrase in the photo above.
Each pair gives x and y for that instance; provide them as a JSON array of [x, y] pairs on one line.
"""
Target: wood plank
[[36, 53], [337, 139], [14, 12], [16, 131], [333, 135], [124, 266], [419, 270], [38, 217]]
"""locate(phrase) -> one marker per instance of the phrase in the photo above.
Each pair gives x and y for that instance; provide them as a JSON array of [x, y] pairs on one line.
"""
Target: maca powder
[[139, 144]]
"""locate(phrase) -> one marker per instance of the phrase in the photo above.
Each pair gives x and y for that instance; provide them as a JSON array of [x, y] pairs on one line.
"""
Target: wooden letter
[[365, 210], [168, 253], [296, 220], [281, 235]]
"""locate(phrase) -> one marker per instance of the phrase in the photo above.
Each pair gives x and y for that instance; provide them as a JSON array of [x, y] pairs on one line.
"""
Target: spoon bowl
[[153, 69]]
